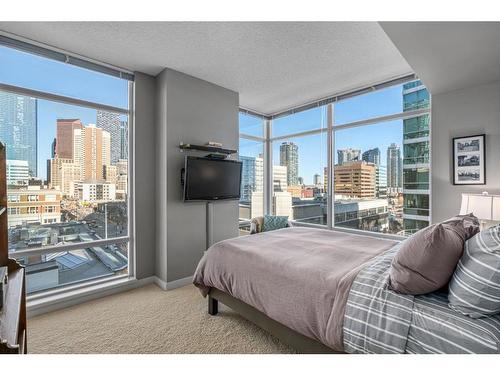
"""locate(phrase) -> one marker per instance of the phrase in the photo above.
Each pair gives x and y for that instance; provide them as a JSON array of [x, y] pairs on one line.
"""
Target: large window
[[380, 162], [299, 149], [66, 131], [367, 177], [251, 154]]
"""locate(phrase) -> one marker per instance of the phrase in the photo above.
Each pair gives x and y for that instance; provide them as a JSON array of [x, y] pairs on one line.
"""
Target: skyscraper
[[381, 184], [247, 178], [94, 153], [394, 168], [123, 140], [347, 155], [18, 128], [289, 158], [317, 179], [64, 142], [416, 158], [87, 151], [372, 156], [111, 123]]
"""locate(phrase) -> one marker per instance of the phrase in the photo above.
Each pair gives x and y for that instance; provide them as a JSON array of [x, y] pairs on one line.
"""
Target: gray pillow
[[475, 285], [425, 262]]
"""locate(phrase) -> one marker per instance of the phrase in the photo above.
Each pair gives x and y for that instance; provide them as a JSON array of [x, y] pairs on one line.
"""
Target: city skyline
[[22, 69]]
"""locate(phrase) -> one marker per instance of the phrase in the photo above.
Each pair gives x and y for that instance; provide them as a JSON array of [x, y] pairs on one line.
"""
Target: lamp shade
[[496, 209], [483, 206]]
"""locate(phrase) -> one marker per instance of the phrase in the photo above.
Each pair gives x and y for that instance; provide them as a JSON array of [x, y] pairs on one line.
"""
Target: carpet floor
[[148, 320]]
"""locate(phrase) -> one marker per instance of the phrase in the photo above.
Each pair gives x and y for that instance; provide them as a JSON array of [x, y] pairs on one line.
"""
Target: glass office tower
[[18, 128], [416, 142], [247, 178]]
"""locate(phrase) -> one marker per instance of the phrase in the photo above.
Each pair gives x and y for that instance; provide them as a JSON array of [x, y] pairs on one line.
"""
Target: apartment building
[[33, 204]]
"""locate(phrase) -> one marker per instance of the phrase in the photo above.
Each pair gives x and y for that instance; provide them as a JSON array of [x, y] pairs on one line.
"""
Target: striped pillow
[[475, 286]]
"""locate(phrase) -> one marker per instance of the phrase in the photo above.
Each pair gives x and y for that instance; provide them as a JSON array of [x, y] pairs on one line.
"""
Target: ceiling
[[449, 56], [273, 65]]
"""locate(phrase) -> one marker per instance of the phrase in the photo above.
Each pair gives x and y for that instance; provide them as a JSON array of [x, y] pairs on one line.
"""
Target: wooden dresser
[[13, 312]]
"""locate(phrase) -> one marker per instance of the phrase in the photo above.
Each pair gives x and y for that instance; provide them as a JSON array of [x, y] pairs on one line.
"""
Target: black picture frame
[[469, 160]]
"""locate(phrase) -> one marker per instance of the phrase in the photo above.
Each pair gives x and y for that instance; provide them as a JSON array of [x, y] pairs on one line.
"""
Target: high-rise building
[[110, 173], [372, 156], [289, 158], [347, 155], [87, 150], [18, 128], [381, 181], [355, 179], [63, 175], [282, 200], [325, 179], [123, 140], [247, 178], [317, 180], [110, 122], [53, 148], [280, 178], [259, 173], [416, 159], [64, 143], [122, 166], [17, 172], [92, 152], [394, 169]]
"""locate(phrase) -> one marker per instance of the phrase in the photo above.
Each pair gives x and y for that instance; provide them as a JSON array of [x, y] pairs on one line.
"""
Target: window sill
[[352, 231], [45, 302]]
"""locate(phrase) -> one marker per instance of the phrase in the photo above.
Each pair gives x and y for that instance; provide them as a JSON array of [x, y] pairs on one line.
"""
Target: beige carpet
[[148, 320]]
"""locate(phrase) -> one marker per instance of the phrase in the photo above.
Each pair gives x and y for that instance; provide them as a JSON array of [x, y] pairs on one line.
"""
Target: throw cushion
[[274, 222], [475, 285], [256, 224], [426, 261]]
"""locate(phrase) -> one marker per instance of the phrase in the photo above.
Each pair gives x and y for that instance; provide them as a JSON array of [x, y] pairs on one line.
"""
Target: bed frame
[[301, 343]]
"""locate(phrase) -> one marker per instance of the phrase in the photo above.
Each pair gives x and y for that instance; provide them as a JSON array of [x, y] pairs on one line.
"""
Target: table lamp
[[484, 206]]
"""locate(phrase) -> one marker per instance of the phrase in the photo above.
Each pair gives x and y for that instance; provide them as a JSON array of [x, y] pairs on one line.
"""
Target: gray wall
[[194, 111], [145, 157], [475, 110]]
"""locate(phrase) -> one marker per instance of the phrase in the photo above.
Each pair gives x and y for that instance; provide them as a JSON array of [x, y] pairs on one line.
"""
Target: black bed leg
[[213, 306]]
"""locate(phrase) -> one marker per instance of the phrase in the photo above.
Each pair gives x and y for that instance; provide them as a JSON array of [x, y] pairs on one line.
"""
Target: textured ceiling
[[449, 56], [273, 65]]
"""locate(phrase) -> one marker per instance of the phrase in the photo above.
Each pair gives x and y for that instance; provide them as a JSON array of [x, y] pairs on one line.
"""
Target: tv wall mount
[[215, 152]]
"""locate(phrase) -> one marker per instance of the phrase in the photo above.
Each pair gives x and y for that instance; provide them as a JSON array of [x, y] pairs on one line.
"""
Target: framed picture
[[469, 163]]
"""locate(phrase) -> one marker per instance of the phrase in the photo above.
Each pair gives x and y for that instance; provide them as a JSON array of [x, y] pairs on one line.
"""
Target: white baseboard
[[63, 300], [45, 304], [162, 284], [179, 283]]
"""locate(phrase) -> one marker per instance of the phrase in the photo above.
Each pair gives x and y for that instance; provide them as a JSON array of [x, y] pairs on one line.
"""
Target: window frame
[[330, 130], [130, 238]]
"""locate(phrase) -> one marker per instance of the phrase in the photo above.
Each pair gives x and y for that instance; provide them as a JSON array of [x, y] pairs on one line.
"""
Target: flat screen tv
[[208, 179]]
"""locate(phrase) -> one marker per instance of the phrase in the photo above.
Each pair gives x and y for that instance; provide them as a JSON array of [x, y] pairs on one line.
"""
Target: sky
[[37, 73], [312, 149]]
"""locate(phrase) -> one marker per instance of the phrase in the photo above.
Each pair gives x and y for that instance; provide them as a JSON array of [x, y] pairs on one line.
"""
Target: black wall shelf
[[219, 150]]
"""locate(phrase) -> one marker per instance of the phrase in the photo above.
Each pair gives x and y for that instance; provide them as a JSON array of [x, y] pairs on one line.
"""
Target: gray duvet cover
[[300, 277]]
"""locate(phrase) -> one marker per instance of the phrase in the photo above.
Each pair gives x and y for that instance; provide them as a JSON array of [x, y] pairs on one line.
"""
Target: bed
[[324, 291]]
